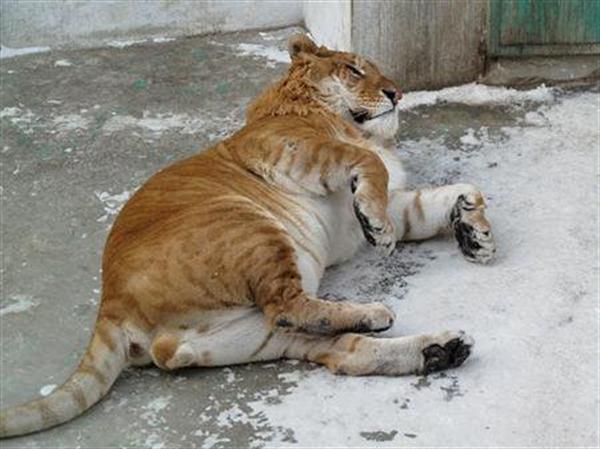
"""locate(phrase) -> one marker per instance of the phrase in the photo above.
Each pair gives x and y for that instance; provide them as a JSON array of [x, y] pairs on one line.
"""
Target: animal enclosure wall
[[422, 44], [60, 23]]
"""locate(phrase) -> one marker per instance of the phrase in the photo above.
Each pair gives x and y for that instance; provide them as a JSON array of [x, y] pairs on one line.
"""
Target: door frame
[[496, 48]]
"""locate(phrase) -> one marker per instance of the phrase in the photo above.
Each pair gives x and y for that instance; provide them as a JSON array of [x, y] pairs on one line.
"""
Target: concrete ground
[[81, 130]]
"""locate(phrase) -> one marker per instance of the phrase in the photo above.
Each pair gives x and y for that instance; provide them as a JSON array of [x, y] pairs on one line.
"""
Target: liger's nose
[[394, 95]]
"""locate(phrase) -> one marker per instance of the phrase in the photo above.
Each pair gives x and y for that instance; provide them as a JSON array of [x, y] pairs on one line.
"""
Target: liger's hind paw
[[450, 352]]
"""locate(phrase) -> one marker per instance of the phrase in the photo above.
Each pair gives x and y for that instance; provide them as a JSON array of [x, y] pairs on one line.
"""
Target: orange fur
[[205, 233]]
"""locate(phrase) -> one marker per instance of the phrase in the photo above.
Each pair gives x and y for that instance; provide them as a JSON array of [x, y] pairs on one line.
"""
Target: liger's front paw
[[472, 229], [448, 350], [378, 232]]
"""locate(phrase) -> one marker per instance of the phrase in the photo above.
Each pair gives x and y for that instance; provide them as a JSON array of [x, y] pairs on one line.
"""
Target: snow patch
[[18, 304], [231, 416], [209, 441], [290, 377], [17, 115], [47, 389], [70, 122], [126, 43], [22, 119], [162, 39], [25, 118], [477, 94], [158, 124], [6, 52], [273, 55], [112, 204], [469, 138], [10, 112], [154, 441], [267, 36], [229, 375], [151, 411], [153, 418], [535, 118], [63, 63]]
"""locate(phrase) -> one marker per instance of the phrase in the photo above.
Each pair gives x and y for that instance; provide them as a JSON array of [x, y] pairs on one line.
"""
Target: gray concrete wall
[[59, 23], [330, 22], [422, 44]]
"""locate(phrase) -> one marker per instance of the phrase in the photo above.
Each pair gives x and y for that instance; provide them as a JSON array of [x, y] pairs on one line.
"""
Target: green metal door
[[544, 27]]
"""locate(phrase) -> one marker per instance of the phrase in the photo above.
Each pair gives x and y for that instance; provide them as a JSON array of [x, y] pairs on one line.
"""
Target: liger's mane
[[295, 94]]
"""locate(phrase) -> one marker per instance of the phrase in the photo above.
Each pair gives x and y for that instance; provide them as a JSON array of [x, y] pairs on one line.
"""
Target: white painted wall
[[58, 23], [330, 22]]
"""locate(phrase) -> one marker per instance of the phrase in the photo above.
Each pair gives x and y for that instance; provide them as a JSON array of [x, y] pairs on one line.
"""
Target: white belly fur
[[343, 235]]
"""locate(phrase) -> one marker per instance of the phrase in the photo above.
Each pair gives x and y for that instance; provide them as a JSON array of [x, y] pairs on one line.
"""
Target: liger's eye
[[355, 71]]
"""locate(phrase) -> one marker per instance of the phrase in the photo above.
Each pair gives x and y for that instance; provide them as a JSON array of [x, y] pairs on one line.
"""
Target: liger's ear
[[300, 43]]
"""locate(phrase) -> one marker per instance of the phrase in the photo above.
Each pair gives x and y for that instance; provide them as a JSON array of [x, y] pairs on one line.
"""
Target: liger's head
[[342, 83], [350, 86]]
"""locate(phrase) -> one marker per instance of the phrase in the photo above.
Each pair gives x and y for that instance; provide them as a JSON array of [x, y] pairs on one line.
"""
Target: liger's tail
[[102, 363]]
